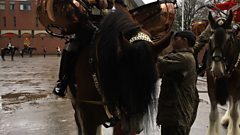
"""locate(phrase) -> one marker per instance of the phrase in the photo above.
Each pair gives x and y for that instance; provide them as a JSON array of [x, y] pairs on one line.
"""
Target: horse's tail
[[221, 91]]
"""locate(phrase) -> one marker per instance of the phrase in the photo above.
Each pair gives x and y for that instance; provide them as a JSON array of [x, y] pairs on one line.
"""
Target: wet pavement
[[27, 106]]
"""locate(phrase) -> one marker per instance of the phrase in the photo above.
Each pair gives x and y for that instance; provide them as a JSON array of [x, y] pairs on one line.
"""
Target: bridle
[[220, 56]]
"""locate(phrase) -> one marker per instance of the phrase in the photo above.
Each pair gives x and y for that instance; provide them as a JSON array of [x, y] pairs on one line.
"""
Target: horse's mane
[[127, 75]]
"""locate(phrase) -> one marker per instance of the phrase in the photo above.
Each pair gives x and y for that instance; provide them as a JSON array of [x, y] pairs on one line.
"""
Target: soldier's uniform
[[70, 53], [179, 99]]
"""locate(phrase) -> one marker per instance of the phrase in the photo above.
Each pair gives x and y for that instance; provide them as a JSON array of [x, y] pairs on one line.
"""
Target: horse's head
[[127, 71], [156, 17], [224, 50], [197, 27]]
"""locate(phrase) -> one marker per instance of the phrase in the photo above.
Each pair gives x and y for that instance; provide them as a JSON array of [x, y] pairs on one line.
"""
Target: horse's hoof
[[224, 123]]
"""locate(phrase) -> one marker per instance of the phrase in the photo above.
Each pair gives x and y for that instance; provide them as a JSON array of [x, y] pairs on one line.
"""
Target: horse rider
[[69, 53]]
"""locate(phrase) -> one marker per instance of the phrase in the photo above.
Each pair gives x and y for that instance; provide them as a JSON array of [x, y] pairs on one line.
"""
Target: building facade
[[20, 25]]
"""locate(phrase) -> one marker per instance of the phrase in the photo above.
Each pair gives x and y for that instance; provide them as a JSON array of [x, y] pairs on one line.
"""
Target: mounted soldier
[[9, 46], [71, 27]]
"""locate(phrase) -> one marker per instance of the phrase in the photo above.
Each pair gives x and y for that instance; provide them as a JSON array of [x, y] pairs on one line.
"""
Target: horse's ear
[[211, 20], [228, 22]]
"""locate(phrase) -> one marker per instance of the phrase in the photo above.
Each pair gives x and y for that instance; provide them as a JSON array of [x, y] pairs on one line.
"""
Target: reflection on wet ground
[[27, 105]]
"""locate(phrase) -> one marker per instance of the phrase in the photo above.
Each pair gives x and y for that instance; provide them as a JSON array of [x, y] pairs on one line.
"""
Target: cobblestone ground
[[27, 106]]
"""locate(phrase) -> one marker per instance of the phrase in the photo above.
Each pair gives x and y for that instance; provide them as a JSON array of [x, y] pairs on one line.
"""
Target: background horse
[[11, 51], [223, 75], [27, 50]]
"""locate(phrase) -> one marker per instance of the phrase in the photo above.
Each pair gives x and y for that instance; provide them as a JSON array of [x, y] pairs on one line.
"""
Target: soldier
[[44, 52], [9, 46], [179, 99], [68, 55]]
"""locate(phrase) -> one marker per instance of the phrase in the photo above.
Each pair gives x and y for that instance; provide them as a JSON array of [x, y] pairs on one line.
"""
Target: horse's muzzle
[[217, 69]]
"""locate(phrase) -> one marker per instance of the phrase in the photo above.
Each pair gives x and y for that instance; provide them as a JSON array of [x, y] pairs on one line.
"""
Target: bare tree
[[193, 10]]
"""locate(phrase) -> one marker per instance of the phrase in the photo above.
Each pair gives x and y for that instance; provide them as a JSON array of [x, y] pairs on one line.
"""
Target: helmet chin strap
[[49, 8]]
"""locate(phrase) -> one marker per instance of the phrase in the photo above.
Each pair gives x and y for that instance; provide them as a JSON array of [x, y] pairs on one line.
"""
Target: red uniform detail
[[227, 5]]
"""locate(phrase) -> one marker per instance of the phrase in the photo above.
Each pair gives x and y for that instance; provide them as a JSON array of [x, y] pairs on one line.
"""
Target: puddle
[[10, 101]]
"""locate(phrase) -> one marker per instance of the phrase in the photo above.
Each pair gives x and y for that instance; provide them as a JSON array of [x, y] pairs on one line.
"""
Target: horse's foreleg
[[22, 54], [2, 55], [86, 125], [213, 120], [118, 131], [78, 121], [3, 58], [233, 127], [225, 118], [12, 57]]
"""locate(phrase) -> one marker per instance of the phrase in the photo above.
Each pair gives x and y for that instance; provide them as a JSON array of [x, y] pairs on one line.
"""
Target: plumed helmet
[[61, 13]]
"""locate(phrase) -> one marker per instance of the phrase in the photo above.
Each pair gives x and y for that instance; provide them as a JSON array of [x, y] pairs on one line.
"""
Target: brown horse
[[114, 77], [223, 75]]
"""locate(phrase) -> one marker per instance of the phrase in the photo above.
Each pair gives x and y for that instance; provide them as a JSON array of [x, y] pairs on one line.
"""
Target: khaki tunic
[[179, 99]]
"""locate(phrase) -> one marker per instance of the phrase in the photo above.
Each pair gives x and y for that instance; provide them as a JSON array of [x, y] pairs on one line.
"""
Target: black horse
[[27, 50], [10, 51]]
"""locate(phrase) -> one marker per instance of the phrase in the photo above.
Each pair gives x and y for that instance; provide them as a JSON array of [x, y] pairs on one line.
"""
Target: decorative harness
[[219, 58], [140, 36]]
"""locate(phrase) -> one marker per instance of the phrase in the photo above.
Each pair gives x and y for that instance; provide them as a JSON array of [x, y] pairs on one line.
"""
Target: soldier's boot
[[65, 66]]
